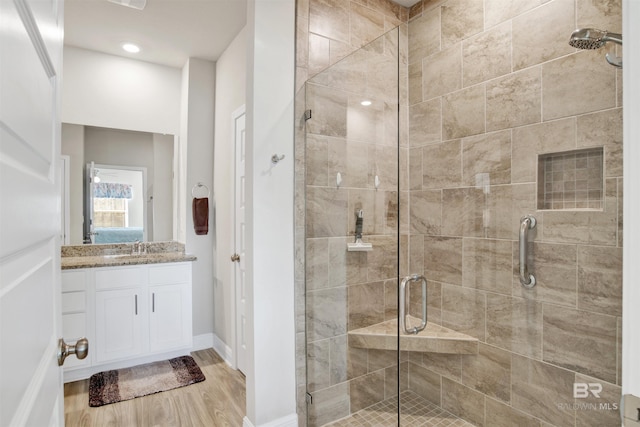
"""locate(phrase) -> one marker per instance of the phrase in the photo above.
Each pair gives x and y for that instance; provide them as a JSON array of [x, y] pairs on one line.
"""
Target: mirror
[[121, 185]]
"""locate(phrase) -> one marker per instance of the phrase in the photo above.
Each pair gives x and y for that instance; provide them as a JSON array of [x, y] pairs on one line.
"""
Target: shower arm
[[612, 37]]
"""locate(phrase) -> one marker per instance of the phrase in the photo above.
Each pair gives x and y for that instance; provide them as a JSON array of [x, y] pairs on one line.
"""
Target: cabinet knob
[[235, 257], [80, 349]]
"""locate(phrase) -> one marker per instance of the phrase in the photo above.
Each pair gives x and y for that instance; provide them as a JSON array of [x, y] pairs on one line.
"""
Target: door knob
[[80, 349], [235, 257]]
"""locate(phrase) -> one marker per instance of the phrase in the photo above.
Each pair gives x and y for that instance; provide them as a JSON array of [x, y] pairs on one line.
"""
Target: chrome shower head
[[590, 38]]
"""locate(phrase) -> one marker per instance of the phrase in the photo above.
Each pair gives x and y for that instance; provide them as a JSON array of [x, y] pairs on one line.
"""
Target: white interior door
[[31, 391], [240, 239]]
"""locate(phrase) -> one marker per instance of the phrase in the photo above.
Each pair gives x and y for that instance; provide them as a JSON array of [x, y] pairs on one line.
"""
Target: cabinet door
[[119, 322], [170, 318]]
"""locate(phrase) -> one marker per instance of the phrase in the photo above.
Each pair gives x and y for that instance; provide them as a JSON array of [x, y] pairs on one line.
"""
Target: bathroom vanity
[[133, 309]]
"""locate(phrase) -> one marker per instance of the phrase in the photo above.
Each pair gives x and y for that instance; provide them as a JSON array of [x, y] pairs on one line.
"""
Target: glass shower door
[[352, 237]]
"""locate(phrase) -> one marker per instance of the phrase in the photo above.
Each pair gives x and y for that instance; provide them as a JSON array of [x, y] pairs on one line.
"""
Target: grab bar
[[527, 222], [405, 297]]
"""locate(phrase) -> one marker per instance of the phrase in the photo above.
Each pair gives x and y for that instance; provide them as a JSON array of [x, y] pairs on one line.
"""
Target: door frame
[[235, 307]]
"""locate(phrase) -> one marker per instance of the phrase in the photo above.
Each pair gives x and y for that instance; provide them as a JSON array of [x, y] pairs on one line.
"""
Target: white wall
[[631, 253], [197, 135], [231, 85], [271, 388], [110, 91]]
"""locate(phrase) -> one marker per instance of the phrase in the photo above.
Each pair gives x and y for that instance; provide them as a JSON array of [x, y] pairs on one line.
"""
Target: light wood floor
[[217, 401]]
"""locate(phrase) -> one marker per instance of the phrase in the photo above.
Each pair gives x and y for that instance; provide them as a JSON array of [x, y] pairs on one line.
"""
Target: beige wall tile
[[345, 268], [434, 302], [326, 313], [338, 359], [591, 86], [329, 404], [449, 365], [302, 40], [598, 14], [463, 401], [424, 35], [488, 372], [501, 415], [530, 141], [318, 369], [514, 100], [603, 129], [543, 33], [366, 24], [463, 113], [487, 55], [351, 159], [385, 166], [442, 165], [390, 299], [555, 269], [620, 209], [425, 383], [365, 123], [348, 75], [381, 70], [603, 411], [317, 160], [537, 388], [600, 279], [497, 11], [426, 212], [581, 341], [356, 361], [338, 50], [486, 265], [330, 18], [486, 154], [442, 72], [329, 107], [326, 213], [415, 84], [461, 19], [391, 380], [443, 259], [365, 305], [619, 350], [507, 205], [415, 169], [425, 122], [463, 212], [366, 390], [463, 310], [515, 324], [317, 262], [591, 228], [318, 53], [385, 249], [415, 10]]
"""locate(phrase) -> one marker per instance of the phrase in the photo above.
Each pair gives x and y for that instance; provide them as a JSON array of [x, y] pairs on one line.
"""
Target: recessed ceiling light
[[365, 103], [130, 47]]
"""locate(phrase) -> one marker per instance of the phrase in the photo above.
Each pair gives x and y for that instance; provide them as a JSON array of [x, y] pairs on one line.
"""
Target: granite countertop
[[113, 255]]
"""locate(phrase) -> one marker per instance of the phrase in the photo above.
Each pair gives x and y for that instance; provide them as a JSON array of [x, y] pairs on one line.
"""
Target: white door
[[240, 239], [31, 391]]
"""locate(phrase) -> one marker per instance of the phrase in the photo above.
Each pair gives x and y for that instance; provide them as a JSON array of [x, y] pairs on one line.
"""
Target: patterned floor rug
[[124, 384]]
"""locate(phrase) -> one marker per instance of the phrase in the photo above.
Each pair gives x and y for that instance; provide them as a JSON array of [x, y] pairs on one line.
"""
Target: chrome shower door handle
[[405, 297], [527, 222]]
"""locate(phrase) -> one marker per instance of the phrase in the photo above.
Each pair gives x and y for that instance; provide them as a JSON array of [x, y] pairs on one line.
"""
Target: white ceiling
[[167, 31]]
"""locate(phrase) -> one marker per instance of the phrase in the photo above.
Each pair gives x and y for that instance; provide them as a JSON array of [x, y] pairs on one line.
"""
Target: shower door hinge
[[307, 114], [309, 398]]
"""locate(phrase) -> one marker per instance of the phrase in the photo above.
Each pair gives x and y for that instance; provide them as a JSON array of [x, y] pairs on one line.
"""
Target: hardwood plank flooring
[[217, 401]]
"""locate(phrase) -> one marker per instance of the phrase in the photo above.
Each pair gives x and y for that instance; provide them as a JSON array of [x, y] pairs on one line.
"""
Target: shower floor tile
[[414, 411]]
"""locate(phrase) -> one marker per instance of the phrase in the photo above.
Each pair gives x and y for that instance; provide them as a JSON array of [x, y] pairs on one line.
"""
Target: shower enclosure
[[462, 230]]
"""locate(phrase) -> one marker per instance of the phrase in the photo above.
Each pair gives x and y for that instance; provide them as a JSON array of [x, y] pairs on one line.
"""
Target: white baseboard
[[288, 421], [223, 350], [202, 342]]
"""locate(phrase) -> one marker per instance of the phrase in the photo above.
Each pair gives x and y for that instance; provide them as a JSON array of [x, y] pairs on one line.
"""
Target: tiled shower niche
[[571, 180]]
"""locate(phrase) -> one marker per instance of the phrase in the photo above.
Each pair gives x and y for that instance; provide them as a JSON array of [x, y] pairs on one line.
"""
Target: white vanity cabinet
[[132, 315]]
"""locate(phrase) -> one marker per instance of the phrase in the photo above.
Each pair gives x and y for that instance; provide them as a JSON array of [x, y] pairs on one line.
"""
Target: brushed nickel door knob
[[235, 257], [80, 349]]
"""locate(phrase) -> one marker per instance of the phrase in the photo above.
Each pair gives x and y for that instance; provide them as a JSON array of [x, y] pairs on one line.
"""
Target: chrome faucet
[[135, 248]]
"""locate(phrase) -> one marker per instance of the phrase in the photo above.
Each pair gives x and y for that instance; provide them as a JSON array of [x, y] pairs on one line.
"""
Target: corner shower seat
[[433, 339]]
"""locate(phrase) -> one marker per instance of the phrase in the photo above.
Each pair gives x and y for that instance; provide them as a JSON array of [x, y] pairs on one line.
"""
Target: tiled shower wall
[[486, 97], [492, 85]]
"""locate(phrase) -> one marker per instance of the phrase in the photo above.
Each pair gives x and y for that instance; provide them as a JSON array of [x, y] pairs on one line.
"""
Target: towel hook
[[275, 158], [198, 186]]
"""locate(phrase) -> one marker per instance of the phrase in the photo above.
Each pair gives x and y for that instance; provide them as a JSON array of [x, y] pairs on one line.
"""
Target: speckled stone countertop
[[111, 255]]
